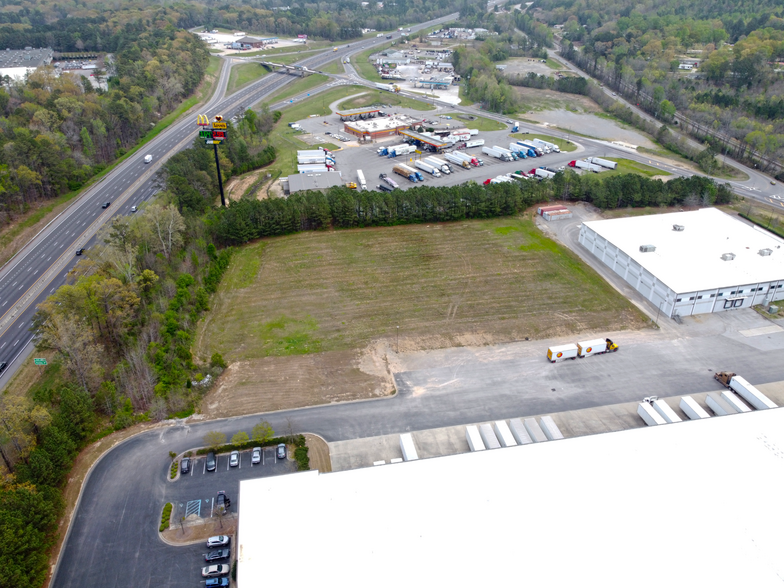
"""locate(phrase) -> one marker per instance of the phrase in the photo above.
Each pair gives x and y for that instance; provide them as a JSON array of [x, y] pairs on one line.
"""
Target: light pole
[[397, 343]]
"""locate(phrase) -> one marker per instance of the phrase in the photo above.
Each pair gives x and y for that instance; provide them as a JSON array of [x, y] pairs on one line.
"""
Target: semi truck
[[401, 150], [542, 173], [522, 152], [471, 159], [383, 188], [386, 150], [515, 127], [508, 155], [745, 390], [427, 168], [385, 178], [603, 162], [530, 151], [361, 178], [587, 166], [537, 151], [475, 143], [497, 153], [595, 347], [453, 158], [407, 172], [387, 87], [439, 163], [551, 146]]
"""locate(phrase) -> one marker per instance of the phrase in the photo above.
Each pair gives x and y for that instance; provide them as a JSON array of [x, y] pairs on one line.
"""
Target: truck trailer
[[508, 155], [534, 431], [439, 163], [474, 439], [405, 171], [408, 448], [552, 146], [497, 153], [650, 416], [665, 411], [603, 162], [595, 347], [451, 157], [531, 146], [504, 434], [488, 437], [475, 143], [398, 150], [745, 390], [471, 159], [519, 432], [562, 352], [693, 410], [542, 173], [586, 165], [361, 178], [387, 87], [522, 152], [389, 181], [550, 429], [427, 168]]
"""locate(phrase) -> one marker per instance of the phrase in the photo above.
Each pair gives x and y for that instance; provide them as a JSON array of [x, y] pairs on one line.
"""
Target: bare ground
[[318, 452]]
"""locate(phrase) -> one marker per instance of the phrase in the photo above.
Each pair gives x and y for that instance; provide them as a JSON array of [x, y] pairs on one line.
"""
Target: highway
[[41, 266]]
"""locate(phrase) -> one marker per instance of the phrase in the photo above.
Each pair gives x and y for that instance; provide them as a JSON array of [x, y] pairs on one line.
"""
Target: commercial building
[[377, 128], [655, 506], [17, 63], [691, 262], [311, 181]]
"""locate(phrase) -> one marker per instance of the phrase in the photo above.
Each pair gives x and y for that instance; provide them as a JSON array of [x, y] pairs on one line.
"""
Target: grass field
[[481, 123], [364, 67], [563, 144], [333, 67], [627, 166], [302, 85], [463, 283], [383, 97], [244, 74]]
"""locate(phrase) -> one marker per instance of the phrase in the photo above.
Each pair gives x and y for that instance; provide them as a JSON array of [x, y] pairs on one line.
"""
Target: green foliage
[[165, 517], [299, 441], [483, 81], [262, 432], [173, 469], [217, 361], [302, 458], [214, 439], [240, 438]]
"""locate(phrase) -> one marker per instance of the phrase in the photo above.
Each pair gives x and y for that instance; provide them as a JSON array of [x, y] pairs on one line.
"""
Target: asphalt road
[[41, 266]]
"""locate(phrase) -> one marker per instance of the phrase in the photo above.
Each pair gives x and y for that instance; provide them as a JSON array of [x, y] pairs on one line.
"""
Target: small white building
[[686, 66], [691, 262]]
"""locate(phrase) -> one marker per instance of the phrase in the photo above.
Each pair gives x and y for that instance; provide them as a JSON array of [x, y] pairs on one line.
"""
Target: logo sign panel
[[219, 125]]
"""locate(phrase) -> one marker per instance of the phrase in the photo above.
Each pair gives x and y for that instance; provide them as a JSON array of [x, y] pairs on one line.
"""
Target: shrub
[[299, 441], [303, 461], [165, 517], [174, 469]]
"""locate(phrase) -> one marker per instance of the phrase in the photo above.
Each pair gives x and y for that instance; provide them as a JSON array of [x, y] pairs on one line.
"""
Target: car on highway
[[215, 570], [147, 158], [234, 459], [185, 465], [80, 251], [218, 541], [134, 209], [217, 554], [211, 461], [217, 582], [3, 365], [106, 205], [255, 456], [772, 183], [281, 452]]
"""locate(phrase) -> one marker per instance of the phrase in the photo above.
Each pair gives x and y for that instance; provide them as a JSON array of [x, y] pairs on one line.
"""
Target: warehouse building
[[377, 128], [601, 510], [17, 64], [691, 262]]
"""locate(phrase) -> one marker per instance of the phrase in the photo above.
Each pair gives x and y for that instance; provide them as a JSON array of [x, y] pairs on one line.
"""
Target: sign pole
[[220, 180]]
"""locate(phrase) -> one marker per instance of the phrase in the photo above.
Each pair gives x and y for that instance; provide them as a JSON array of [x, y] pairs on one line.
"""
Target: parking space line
[[204, 468]]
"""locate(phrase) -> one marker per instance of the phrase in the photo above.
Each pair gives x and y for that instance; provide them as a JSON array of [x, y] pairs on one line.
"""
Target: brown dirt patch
[[536, 99], [236, 187], [318, 452]]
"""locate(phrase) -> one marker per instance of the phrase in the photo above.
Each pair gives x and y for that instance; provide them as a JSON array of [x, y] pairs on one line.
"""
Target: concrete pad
[[767, 330]]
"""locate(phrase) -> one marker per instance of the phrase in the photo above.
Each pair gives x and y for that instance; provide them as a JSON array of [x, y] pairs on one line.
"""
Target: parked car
[[281, 451], [185, 465], [255, 457], [215, 570], [211, 461], [222, 500], [234, 459], [217, 582], [217, 554], [106, 205], [218, 541]]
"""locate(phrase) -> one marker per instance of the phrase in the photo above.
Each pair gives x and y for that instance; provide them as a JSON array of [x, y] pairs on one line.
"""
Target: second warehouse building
[[691, 262]]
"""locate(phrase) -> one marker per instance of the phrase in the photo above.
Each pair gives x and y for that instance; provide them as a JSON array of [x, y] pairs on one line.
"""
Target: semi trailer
[[603, 162], [439, 163], [745, 390], [586, 165], [427, 168]]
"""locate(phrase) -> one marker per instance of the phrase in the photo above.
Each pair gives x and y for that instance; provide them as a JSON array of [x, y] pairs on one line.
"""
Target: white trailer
[[650, 416], [506, 153], [457, 160], [311, 153], [488, 437], [493, 152], [586, 165], [308, 160], [718, 405], [439, 163], [427, 168], [519, 433], [550, 429], [543, 173], [408, 448], [734, 401], [504, 434], [474, 438], [401, 150], [603, 162], [312, 169], [541, 145], [592, 347], [361, 178], [693, 410], [553, 147], [665, 411], [534, 431], [473, 132], [561, 352], [750, 394], [475, 143], [387, 87]]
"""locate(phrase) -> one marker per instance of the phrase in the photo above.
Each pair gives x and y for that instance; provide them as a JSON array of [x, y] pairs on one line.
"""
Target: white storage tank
[[562, 352], [550, 429], [650, 416], [407, 447], [474, 439], [666, 412], [519, 432], [693, 410], [534, 431], [504, 434], [488, 437], [592, 347]]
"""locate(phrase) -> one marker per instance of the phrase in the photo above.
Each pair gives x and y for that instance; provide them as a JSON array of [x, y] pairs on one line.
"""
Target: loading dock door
[[733, 303]]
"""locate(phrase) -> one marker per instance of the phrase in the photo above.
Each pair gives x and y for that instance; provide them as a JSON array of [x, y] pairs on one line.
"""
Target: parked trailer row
[[603, 162], [745, 390], [427, 168], [582, 349], [585, 165], [517, 432], [439, 163]]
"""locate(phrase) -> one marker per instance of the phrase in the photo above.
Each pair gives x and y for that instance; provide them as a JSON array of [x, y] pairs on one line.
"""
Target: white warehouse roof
[[689, 504], [691, 260]]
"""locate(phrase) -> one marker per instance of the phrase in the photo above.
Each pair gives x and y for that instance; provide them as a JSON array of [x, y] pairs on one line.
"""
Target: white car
[[148, 159], [255, 456], [218, 541], [234, 459], [134, 209], [215, 570]]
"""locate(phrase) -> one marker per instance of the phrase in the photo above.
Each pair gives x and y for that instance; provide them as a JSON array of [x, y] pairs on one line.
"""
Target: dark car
[[281, 451], [185, 465], [217, 554], [211, 461], [3, 365], [106, 205], [216, 583], [222, 500], [79, 251]]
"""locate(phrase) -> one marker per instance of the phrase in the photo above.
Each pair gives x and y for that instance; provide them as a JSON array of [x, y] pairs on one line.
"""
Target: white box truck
[[745, 390], [550, 429], [693, 410], [408, 448], [504, 434], [592, 347], [439, 163], [427, 168], [718, 405], [474, 438], [665, 411], [650, 416], [603, 162], [562, 352], [519, 432], [361, 178], [488, 437], [534, 431]]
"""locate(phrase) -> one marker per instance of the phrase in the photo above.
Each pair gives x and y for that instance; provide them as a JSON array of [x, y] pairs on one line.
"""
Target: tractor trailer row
[[581, 349]]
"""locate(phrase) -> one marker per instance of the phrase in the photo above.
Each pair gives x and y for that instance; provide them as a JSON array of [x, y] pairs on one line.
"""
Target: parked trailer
[[504, 434], [475, 143], [550, 429], [303, 160], [582, 164], [383, 188], [665, 411], [693, 410], [537, 151], [541, 146], [388, 180], [473, 132], [745, 390], [312, 169], [603, 162], [562, 352], [387, 87], [543, 209], [408, 448], [451, 157], [488, 437], [312, 152], [718, 405], [650, 416], [734, 401], [471, 159], [519, 432], [405, 171], [552, 146], [493, 152], [439, 163], [529, 151], [522, 152], [515, 127], [534, 431], [426, 167], [474, 438], [401, 150], [361, 178], [542, 173], [592, 347], [508, 155]]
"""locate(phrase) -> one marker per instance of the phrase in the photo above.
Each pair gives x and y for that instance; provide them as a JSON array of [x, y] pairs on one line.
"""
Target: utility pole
[[220, 179], [214, 133]]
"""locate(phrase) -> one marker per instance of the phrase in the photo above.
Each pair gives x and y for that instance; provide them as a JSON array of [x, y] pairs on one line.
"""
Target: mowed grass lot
[[628, 166], [243, 74], [465, 283], [373, 97]]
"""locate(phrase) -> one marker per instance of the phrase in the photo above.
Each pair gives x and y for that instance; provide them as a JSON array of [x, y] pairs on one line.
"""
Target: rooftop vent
[[728, 257], [765, 252], [647, 248], [678, 227]]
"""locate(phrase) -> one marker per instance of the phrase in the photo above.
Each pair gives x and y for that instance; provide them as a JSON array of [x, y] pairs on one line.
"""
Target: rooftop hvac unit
[[647, 248], [728, 256], [765, 252], [678, 227]]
